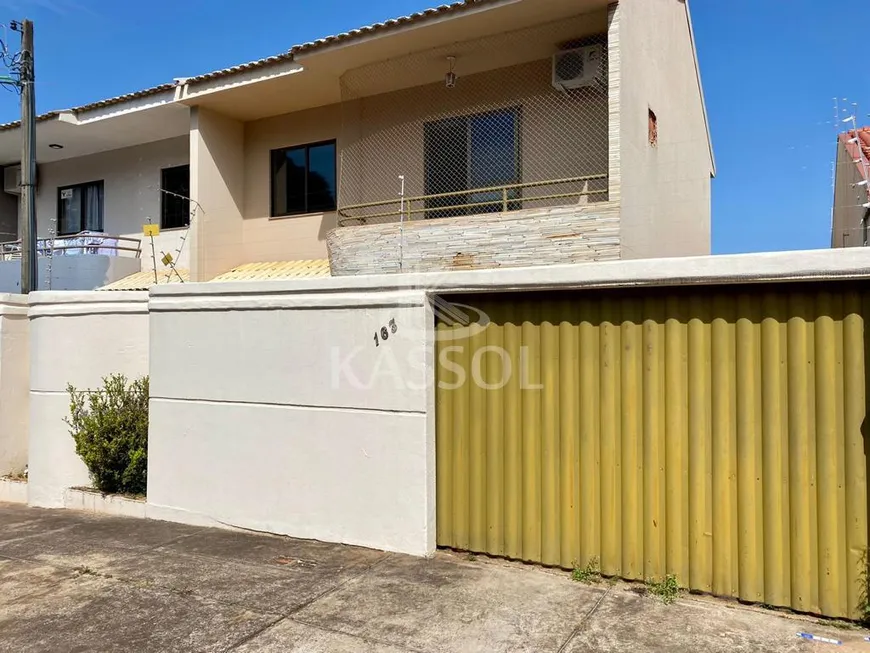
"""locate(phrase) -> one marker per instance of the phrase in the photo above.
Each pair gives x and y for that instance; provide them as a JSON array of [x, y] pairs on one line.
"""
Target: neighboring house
[[100, 168], [479, 134], [851, 214]]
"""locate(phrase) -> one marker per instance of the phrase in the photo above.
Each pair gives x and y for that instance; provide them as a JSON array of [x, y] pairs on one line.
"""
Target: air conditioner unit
[[12, 179], [578, 67]]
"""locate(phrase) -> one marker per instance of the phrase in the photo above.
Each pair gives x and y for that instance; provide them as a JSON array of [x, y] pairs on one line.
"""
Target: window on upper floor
[[80, 208], [303, 179], [174, 202], [466, 154]]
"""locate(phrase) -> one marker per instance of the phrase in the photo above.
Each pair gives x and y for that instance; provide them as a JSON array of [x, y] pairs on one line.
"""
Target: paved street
[[77, 582]]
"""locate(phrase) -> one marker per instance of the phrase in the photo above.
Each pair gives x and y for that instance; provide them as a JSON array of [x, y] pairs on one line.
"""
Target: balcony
[[476, 155], [82, 261]]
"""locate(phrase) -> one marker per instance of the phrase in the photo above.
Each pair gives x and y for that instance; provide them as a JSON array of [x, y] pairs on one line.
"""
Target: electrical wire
[[13, 62]]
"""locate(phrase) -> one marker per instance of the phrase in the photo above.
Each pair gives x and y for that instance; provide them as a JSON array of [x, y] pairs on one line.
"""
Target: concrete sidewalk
[[76, 582]]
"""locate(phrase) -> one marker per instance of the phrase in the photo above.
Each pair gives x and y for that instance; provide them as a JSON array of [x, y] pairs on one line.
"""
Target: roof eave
[[376, 30], [80, 113]]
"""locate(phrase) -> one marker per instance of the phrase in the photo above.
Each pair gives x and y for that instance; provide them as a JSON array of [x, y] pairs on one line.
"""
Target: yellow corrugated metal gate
[[716, 434]]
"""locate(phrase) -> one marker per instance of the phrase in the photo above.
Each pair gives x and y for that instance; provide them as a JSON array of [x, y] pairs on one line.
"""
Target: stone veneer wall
[[614, 104], [545, 236]]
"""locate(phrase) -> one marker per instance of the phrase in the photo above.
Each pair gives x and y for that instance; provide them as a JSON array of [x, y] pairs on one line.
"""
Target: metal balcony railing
[[85, 243], [508, 197]]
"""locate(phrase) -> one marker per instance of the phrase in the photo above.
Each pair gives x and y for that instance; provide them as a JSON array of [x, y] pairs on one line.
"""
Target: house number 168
[[385, 332]]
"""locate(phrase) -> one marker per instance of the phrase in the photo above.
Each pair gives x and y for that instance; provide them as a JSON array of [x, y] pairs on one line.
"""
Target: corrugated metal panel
[[714, 434], [144, 280], [277, 270]]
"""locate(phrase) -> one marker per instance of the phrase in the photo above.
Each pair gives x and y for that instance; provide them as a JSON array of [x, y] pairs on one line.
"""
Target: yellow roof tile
[[246, 272], [276, 270], [145, 279]]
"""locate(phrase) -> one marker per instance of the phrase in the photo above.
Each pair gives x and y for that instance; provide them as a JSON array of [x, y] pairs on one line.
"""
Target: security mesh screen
[[491, 125]]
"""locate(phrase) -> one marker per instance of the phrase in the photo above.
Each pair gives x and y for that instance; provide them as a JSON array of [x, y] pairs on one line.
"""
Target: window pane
[[70, 217], [175, 210], [493, 160], [446, 165], [288, 181], [321, 178], [93, 207]]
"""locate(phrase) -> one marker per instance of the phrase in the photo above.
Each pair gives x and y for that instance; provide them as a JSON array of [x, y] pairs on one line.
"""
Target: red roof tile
[[863, 136]]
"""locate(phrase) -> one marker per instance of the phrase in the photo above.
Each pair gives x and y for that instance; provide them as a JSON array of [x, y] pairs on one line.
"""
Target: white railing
[[86, 243]]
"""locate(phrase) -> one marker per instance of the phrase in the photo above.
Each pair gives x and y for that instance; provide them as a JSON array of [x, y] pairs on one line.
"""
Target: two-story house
[[479, 134]]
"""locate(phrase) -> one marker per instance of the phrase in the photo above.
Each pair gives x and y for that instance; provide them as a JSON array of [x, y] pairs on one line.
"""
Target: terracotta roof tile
[[862, 155]]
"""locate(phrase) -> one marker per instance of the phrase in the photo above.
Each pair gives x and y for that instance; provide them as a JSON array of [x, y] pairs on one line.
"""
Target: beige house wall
[[665, 190], [560, 136], [217, 183], [848, 201], [131, 179], [288, 238], [381, 137]]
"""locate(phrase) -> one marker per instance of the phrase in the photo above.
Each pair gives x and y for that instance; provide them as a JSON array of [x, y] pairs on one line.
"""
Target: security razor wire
[[513, 121], [172, 261]]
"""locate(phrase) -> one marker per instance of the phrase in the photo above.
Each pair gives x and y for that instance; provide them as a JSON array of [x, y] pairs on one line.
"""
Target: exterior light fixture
[[450, 77], [55, 146]]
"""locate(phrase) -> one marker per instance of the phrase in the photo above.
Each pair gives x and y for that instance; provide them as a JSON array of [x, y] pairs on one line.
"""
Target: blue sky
[[771, 71]]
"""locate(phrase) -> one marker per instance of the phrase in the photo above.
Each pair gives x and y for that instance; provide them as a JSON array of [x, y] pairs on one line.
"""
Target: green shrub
[[110, 428]]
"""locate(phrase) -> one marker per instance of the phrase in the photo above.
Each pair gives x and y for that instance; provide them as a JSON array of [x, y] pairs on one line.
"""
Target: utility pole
[[27, 208]]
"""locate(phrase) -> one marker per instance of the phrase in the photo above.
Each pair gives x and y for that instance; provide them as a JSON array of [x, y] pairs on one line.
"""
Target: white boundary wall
[[77, 338], [14, 383], [251, 426], [271, 407], [277, 412]]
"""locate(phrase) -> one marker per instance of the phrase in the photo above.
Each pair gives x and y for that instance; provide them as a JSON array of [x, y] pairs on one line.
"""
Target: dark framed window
[[174, 202], [471, 152], [303, 179], [80, 208]]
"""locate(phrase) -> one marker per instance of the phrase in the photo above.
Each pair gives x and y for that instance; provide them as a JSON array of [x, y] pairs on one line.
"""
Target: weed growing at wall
[[591, 573], [864, 589], [667, 590], [110, 429]]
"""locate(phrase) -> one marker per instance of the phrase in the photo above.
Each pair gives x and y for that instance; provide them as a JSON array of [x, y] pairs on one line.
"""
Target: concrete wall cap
[[13, 304], [821, 265], [44, 303], [293, 301]]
